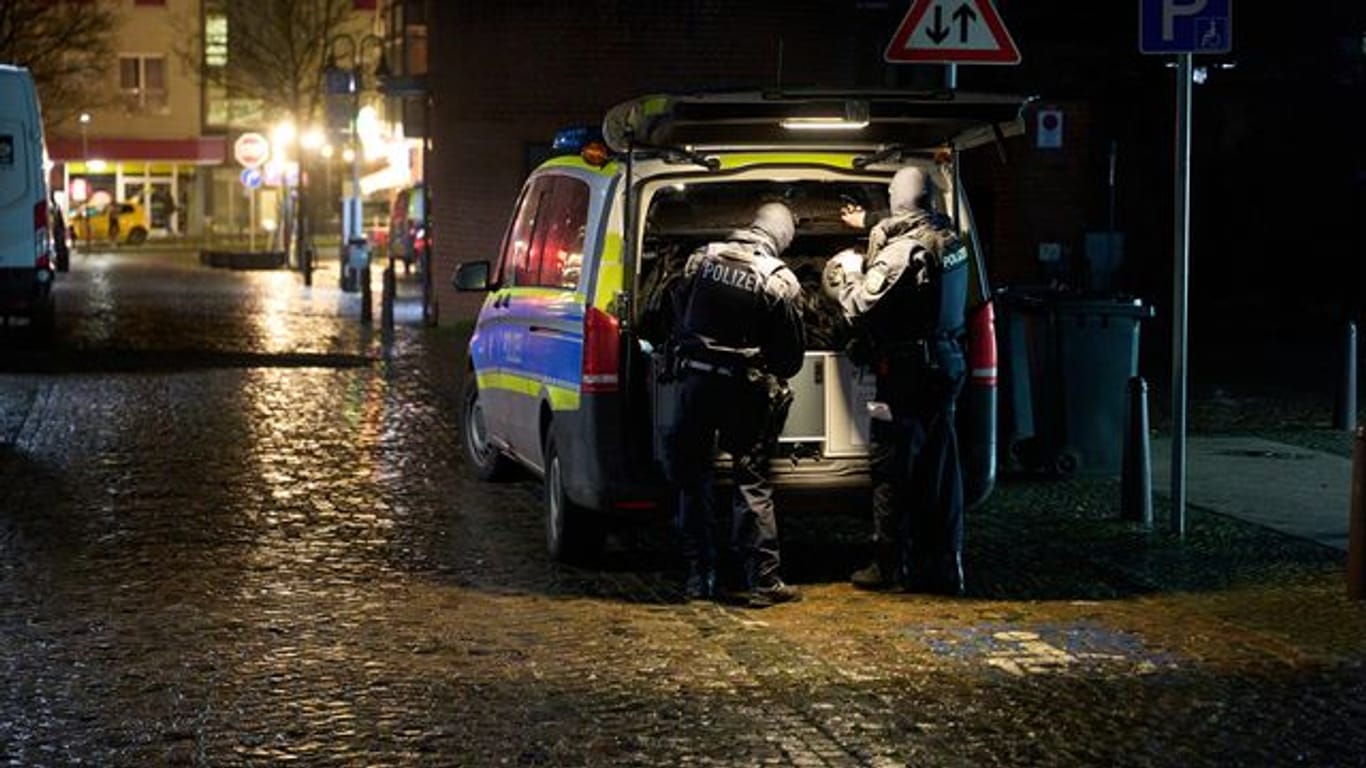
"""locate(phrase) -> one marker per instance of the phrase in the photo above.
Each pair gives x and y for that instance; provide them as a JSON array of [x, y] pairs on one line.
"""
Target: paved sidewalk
[[1284, 487]]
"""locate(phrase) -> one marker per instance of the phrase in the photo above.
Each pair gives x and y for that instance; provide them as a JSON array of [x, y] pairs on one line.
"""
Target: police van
[[26, 268], [563, 374]]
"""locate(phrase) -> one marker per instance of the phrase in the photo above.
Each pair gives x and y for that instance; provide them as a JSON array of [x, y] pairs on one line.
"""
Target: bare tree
[[67, 45], [275, 54]]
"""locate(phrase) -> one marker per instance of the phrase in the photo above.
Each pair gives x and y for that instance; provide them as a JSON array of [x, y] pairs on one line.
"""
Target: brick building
[[505, 77]]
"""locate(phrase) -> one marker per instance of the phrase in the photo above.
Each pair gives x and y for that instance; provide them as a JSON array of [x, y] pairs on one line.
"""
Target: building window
[[142, 83], [216, 40]]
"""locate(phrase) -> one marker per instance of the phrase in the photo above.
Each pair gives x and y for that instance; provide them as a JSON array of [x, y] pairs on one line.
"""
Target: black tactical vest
[[933, 309], [727, 306]]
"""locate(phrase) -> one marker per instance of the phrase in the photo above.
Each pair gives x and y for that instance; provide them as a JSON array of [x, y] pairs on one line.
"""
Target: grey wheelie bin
[[1065, 361]]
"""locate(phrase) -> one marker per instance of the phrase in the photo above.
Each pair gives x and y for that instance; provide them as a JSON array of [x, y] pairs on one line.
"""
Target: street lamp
[[340, 81], [85, 146]]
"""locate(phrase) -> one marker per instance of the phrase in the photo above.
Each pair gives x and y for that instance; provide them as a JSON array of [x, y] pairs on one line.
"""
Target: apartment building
[[146, 141], [164, 134]]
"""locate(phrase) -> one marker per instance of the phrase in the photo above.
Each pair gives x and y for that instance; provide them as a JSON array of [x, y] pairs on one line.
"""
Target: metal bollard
[[1136, 480], [1356, 530], [308, 267], [1345, 408], [386, 298], [367, 312]]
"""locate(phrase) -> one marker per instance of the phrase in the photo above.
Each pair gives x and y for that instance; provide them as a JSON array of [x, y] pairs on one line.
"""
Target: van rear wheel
[[483, 456], [137, 236], [573, 534]]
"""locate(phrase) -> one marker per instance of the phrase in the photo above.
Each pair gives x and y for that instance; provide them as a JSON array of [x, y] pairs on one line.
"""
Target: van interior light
[[823, 124]]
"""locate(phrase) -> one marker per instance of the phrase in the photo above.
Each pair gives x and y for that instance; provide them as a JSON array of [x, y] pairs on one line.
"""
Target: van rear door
[[811, 119]]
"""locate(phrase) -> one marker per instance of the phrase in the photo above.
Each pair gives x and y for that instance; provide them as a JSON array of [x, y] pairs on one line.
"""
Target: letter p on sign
[[1173, 8]]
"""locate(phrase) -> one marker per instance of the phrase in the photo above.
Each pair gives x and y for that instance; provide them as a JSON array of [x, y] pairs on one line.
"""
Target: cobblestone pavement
[[235, 529]]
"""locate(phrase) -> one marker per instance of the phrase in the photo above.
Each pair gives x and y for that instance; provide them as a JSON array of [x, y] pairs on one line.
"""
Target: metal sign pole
[[1184, 86]]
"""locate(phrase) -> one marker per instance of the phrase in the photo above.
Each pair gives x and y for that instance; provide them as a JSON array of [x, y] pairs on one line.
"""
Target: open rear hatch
[[829, 422], [804, 119]]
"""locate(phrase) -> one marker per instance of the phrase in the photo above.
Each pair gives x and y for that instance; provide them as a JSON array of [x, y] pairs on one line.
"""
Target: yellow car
[[92, 222]]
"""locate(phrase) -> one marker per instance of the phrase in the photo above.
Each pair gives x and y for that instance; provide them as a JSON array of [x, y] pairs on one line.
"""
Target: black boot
[[947, 576], [879, 574], [700, 584], [773, 592]]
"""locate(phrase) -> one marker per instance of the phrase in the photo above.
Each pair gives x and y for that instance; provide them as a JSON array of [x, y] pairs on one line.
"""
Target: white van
[[26, 269]]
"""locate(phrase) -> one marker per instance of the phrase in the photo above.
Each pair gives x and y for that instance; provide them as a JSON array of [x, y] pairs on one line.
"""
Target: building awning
[[197, 150]]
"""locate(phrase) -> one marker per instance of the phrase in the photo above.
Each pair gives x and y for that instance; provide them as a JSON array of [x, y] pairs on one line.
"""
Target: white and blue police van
[[561, 372]]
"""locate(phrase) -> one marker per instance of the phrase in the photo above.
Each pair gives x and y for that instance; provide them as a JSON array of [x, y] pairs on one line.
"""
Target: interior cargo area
[[681, 218], [829, 418]]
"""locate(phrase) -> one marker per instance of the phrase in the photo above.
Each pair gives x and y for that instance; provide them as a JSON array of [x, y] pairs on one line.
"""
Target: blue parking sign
[[1185, 26]]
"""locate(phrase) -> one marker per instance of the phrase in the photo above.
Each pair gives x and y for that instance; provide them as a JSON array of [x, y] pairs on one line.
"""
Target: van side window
[[519, 262], [560, 235]]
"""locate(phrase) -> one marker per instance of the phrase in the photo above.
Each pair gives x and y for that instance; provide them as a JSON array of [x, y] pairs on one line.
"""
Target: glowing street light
[[312, 139], [283, 134]]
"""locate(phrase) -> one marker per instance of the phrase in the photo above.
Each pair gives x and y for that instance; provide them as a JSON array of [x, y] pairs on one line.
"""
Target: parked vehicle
[[407, 240], [91, 222], [563, 374], [26, 268]]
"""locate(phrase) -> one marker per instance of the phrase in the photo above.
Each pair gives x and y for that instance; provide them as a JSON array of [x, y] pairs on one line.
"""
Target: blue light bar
[[572, 140]]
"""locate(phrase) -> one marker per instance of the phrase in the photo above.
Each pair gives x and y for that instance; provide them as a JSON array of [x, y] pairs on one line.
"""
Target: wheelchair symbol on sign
[[1210, 33]]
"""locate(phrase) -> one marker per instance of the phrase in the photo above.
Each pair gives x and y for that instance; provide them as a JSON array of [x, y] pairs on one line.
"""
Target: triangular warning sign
[[952, 32]]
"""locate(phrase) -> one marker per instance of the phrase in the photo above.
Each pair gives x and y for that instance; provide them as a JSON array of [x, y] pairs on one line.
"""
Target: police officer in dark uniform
[[909, 300], [737, 337]]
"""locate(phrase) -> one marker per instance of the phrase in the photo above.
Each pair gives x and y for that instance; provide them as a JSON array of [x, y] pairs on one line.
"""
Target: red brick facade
[[506, 76]]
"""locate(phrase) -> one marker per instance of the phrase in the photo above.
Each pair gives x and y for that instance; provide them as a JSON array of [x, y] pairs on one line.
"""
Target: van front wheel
[[483, 456], [572, 533]]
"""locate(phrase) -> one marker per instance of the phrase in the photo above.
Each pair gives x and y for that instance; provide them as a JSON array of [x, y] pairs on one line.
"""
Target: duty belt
[[735, 372]]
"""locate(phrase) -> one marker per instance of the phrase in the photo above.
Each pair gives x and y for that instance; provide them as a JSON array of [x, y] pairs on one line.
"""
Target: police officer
[[909, 300], [738, 336]]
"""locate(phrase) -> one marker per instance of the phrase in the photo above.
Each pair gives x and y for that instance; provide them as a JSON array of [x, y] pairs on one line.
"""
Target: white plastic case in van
[[25, 243]]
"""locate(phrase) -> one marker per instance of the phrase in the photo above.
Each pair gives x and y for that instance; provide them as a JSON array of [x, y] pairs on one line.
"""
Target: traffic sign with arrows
[[952, 32]]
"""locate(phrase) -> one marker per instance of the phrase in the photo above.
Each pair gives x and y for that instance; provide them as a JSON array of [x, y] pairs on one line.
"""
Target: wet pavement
[[235, 529]]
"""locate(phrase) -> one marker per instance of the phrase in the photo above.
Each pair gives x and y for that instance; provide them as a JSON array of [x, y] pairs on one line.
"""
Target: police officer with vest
[[738, 335], [908, 298]]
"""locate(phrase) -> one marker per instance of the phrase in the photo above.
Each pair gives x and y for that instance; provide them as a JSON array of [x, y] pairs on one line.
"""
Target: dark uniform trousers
[[917, 480], [736, 414]]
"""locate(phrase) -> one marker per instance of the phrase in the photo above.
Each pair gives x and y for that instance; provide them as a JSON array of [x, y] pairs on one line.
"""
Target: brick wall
[[512, 73], [1038, 196]]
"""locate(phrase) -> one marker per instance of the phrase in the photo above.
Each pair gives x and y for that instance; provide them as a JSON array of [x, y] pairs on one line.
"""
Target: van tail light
[[982, 346], [601, 352], [42, 258]]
